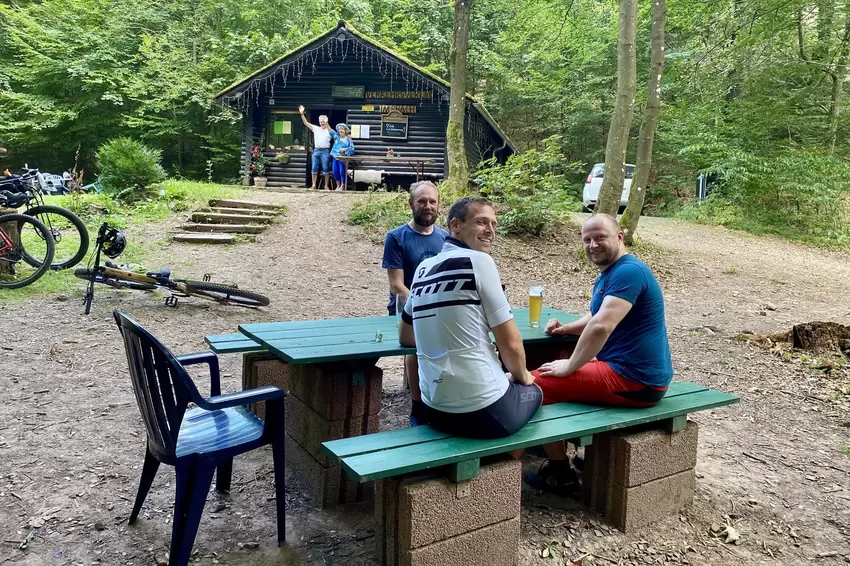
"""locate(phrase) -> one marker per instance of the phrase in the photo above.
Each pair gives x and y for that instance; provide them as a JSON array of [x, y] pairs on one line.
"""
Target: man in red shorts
[[622, 357]]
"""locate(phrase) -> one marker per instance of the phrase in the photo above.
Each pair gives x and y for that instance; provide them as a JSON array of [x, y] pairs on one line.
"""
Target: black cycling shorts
[[499, 419]]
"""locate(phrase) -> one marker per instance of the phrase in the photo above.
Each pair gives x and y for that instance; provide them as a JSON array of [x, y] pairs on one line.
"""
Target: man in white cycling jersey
[[456, 300]]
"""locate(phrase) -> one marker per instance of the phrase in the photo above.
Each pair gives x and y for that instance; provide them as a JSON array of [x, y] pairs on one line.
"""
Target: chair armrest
[[209, 358], [241, 398]]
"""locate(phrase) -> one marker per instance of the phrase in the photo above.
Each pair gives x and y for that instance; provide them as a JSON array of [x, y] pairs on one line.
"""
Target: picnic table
[[417, 163], [328, 369]]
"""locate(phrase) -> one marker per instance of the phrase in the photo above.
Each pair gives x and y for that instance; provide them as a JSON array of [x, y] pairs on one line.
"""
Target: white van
[[594, 183]]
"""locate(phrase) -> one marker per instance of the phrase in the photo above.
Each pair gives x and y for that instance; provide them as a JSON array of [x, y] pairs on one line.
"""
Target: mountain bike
[[19, 231], [68, 230], [111, 242]]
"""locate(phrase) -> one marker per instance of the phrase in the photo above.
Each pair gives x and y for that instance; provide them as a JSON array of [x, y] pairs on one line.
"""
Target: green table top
[[343, 339]]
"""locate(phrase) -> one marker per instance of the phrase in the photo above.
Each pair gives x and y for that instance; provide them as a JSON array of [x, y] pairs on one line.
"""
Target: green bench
[[639, 467], [232, 344]]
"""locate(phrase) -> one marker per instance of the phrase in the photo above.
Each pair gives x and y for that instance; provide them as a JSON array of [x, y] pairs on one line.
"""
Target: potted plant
[[257, 167], [282, 157], [390, 152]]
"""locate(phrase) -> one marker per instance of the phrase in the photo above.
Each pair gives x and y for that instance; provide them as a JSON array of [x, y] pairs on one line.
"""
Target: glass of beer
[[535, 303]]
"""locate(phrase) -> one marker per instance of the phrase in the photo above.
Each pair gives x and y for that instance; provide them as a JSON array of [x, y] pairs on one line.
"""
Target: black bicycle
[[111, 242], [67, 229]]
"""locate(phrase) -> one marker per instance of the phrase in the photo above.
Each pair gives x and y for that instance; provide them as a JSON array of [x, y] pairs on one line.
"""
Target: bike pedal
[[171, 301]]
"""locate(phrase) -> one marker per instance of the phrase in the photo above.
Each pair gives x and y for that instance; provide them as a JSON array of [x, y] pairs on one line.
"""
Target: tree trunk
[[839, 75], [630, 218], [621, 120], [458, 180]]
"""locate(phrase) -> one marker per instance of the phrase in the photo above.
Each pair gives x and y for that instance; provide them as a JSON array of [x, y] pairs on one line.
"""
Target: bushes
[[533, 190], [380, 211], [797, 194], [127, 168]]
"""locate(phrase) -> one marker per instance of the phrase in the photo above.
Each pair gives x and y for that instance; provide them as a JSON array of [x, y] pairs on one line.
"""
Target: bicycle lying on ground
[[26, 249], [68, 230], [111, 242]]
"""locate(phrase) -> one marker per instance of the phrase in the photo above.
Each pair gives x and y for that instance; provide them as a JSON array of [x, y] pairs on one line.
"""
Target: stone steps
[[226, 219]]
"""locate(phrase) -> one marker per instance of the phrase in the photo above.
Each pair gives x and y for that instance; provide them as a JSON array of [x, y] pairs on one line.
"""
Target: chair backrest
[[162, 386]]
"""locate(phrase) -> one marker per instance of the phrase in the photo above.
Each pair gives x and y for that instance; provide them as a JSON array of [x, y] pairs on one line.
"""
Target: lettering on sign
[[394, 125], [386, 109], [348, 91], [399, 94]]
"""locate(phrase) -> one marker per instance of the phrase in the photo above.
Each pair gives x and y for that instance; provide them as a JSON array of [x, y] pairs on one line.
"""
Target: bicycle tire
[[78, 225], [85, 273], [226, 294], [41, 267]]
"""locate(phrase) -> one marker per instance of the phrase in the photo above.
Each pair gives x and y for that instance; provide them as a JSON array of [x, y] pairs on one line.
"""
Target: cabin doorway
[[335, 116]]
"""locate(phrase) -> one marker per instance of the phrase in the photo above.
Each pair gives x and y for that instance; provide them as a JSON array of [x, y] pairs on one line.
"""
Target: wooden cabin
[[388, 101]]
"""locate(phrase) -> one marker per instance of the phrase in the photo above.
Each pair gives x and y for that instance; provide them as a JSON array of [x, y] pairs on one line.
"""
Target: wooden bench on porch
[[449, 500]]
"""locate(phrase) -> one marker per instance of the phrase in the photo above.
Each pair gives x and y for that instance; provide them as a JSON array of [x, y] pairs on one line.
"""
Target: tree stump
[[820, 337], [11, 229]]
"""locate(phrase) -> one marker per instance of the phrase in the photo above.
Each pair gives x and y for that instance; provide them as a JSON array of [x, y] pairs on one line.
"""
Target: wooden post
[[11, 229]]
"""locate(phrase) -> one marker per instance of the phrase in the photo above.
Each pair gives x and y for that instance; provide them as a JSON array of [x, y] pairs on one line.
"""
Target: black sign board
[[394, 125], [348, 91]]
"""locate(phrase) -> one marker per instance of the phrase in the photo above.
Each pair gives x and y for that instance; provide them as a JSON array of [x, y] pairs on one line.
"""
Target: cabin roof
[[244, 84]]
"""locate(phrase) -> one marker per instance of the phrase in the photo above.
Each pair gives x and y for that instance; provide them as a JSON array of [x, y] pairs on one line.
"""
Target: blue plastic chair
[[200, 440]]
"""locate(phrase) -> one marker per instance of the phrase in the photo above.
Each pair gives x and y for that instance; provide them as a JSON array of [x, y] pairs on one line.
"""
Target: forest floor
[[776, 466]]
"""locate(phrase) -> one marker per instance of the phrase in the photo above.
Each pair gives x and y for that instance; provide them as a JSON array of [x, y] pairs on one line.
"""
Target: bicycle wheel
[[69, 233], [85, 273], [24, 232], [225, 294]]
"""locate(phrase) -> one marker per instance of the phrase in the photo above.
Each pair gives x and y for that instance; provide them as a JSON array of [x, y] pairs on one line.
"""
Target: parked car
[[594, 183]]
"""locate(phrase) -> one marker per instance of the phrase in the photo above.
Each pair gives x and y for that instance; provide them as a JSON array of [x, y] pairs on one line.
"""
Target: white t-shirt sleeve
[[493, 299]]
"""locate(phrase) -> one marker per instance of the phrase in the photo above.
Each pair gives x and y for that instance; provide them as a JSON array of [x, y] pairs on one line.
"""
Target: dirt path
[[71, 442]]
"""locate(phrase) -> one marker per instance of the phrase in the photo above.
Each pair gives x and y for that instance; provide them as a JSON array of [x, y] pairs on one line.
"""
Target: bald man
[[622, 357]]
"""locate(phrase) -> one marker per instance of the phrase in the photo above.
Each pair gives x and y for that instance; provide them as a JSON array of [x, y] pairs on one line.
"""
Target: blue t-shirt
[[405, 248], [638, 348]]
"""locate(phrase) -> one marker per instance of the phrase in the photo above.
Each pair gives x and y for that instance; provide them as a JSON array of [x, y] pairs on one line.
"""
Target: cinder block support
[[323, 402], [639, 478], [652, 476], [597, 469], [432, 522]]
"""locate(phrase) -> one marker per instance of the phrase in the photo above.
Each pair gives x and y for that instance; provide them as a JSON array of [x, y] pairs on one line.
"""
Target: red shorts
[[597, 384]]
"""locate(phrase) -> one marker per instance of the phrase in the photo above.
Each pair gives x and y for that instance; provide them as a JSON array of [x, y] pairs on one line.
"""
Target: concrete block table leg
[[324, 402], [430, 521]]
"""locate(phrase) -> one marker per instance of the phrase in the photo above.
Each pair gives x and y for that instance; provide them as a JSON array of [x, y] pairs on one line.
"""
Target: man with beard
[[404, 249], [622, 357]]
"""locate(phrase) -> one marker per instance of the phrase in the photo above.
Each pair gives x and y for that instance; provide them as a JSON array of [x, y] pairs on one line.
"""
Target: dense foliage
[[128, 168], [753, 89]]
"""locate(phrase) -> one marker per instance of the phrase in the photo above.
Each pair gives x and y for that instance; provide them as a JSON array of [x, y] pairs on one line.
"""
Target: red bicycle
[[26, 248]]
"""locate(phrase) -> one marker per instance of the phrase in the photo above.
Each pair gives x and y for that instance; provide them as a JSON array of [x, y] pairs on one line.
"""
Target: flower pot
[[283, 159], [260, 181]]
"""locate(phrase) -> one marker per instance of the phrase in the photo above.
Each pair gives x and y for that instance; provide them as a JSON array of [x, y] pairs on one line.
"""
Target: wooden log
[[228, 228], [11, 230], [196, 238], [230, 203], [213, 218], [234, 210]]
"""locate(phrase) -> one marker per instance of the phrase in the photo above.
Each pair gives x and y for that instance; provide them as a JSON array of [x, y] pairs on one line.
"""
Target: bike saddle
[[14, 200], [161, 273]]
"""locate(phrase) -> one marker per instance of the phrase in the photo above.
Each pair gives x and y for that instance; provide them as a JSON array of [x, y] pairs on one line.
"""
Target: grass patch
[[165, 199], [730, 271], [844, 449], [380, 212]]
